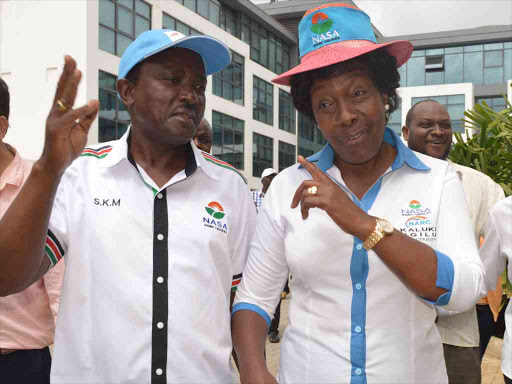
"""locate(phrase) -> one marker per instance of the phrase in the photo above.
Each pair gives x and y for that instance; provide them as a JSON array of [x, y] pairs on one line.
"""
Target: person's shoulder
[[475, 176], [225, 172]]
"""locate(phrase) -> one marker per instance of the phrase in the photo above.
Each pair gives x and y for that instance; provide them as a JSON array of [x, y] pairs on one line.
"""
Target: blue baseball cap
[[215, 54], [337, 32]]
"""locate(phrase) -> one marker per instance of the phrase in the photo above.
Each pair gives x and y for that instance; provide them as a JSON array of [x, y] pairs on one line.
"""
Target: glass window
[[497, 103], [168, 22], [395, 120], [473, 67], [286, 112], [263, 101], [454, 68], [120, 22], [228, 139], [403, 75], [202, 8], [190, 4], [416, 71], [493, 46], [286, 155], [229, 83], [107, 13], [113, 115], [493, 75], [438, 51], [493, 59], [473, 48], [454, 50], [306, 128], [507, 68], [418, 53], [262, 153]]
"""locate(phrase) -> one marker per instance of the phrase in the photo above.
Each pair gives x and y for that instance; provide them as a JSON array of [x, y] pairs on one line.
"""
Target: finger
[[67, 73], [86, 120], [309, 202], [314, 171], [298, 193], [87, 113]]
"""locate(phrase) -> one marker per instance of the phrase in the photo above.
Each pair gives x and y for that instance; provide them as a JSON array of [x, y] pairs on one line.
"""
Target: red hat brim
[[344, 51]]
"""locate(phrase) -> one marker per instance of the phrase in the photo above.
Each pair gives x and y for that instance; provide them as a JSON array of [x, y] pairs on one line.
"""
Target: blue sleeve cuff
[[251, 307], [445, 277]]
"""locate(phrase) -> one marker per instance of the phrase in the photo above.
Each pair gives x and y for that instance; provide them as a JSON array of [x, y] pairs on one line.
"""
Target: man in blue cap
[[154, 238]]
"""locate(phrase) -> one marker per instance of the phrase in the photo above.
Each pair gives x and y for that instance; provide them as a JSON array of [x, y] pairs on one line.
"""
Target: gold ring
[[312, 191], [61, 107]]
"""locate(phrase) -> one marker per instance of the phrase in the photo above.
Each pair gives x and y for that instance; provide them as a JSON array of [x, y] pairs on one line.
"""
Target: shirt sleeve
[[53, 284], [57, 237], [244, 229], [460, 269], [266, 270], [491, 253]]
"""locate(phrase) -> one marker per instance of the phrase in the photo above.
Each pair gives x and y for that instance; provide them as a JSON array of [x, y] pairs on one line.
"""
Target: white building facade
[[255, 124]]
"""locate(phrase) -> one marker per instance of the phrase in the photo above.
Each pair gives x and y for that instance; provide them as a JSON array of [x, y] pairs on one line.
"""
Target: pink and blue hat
[[333, 33]]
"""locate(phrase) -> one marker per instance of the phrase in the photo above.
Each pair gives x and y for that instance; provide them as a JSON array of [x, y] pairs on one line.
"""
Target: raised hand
[[322, 192], [67, 128]]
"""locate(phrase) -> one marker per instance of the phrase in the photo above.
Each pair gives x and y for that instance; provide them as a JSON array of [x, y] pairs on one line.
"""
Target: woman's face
[[350, 111]]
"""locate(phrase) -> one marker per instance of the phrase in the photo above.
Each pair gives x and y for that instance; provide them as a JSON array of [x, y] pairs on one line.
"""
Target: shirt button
[[160, 236], [159, 279], [358, 247], [159, 371], [358, 329], [159, 195], [160, 325], [358, 286], [358, 371]]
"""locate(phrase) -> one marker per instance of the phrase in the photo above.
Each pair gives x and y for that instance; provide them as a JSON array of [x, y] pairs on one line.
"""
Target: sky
[[405, 17]]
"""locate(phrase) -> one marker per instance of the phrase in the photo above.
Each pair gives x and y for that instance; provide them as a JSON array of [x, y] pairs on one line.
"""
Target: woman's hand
[[333, 200]]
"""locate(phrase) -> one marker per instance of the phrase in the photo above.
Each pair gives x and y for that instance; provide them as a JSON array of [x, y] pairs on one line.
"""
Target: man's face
[[267, 180], [430, 132], [203, 137], [169, 96]]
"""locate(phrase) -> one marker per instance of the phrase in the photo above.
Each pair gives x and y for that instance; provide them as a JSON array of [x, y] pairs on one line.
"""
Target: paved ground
[[491, 370]]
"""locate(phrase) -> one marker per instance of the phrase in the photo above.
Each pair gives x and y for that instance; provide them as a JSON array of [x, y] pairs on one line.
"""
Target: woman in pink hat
[[375, 235]]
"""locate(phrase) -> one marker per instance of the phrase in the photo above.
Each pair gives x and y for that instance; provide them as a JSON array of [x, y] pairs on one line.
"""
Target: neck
[[6, 157], [161, 161], [360, 177]]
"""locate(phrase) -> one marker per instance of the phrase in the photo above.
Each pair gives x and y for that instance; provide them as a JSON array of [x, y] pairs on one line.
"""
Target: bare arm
[[24, 226], [419, 273], [249, 332]]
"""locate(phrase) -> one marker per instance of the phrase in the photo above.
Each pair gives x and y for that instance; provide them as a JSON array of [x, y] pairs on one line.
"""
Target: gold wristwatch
[[383, 228]]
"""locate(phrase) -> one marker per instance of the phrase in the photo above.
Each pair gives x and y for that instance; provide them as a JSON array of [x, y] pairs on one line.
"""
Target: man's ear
[[405, 132], [125, 89], [4, 125]]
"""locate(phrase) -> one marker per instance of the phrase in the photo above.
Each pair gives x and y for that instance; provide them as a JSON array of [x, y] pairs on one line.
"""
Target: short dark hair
[[4, 99], [410, 115], [382, 68]]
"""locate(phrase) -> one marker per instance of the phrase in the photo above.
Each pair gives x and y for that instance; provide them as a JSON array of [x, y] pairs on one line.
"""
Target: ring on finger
[[312, 191], [61, 107]]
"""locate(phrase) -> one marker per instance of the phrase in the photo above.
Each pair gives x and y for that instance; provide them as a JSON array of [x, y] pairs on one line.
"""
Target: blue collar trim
[[325, 158]]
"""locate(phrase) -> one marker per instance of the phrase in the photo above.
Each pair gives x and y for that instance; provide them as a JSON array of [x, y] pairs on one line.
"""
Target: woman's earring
[[386, 107]]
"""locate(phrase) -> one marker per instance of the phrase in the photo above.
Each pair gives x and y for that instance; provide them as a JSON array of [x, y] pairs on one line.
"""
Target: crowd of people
[[171, 268]]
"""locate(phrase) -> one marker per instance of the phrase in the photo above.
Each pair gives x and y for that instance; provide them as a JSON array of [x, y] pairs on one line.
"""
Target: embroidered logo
[[216, 214], [418, 224], [321, 26], [320, 23], [215, 210]]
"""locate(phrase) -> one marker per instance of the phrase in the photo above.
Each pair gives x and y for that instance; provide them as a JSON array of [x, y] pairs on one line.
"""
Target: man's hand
[[66, 128], [329, 197], [262, 377]]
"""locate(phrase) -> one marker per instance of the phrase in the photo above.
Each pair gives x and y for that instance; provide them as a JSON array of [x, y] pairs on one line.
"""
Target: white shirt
[[149, 271], [496, 252], [481, 194], [351, 319]]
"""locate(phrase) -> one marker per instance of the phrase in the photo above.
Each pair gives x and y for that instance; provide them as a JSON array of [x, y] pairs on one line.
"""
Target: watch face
[[385, 226]]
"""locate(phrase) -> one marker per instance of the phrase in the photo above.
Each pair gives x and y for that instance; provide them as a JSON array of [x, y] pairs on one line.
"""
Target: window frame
[[291, 120], [230, 147], [118, 102], [257, 105], [256, 159]]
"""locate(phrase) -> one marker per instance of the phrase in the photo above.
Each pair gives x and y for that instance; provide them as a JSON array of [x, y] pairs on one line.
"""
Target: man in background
[[27, 318], [428, 130], [204, 136]]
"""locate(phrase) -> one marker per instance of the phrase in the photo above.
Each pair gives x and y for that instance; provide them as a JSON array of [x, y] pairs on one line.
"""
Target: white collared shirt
[[149, 271], [496, 252], [351, 319], [481, 194]]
